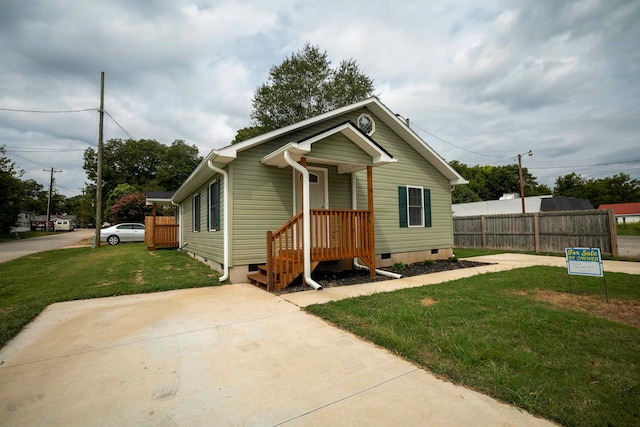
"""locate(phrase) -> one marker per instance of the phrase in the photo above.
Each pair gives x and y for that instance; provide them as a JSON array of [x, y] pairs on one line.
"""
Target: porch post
[[303, 163], [372, 254]]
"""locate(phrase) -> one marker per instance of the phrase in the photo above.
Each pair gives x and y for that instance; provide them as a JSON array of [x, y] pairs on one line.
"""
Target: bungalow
[[354, 186]]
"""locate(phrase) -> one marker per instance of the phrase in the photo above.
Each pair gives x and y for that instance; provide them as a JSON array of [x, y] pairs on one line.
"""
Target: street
[[19, 248]]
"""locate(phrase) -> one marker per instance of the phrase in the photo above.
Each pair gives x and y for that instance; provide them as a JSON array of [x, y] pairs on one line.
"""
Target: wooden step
[[258, 279]]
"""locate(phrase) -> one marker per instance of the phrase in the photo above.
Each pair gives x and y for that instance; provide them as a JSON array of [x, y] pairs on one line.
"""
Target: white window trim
[[373, 123], [209, 210], [421, 225]]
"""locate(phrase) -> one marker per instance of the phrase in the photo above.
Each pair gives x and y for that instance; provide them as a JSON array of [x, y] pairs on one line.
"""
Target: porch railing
[[335, 234]]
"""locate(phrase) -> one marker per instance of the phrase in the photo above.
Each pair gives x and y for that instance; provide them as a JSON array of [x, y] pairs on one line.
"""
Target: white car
[[125, 232]]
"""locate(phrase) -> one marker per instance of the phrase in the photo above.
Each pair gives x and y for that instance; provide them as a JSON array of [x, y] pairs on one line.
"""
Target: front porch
[[334, 234]]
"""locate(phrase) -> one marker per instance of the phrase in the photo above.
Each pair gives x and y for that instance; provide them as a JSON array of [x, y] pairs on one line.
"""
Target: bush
[[398, 267], [453, 259], [428, 262]]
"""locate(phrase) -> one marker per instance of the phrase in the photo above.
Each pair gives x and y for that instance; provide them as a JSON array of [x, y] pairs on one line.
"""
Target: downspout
[[306, 223], [227, 222], [179, 222], [354, 206]]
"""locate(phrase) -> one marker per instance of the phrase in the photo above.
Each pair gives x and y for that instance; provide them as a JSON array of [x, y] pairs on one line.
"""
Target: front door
[[318, 189]]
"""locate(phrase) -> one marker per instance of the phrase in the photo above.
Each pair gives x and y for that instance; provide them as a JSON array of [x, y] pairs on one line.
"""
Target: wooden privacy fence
[[538, 232], [161, 233]]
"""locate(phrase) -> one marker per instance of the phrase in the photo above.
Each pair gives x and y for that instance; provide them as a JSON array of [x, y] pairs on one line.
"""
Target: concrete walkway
[[229, 355]]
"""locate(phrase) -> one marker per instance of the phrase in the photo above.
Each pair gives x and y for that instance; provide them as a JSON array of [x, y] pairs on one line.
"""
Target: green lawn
[[503, 335], [629, 229], [31, 283]]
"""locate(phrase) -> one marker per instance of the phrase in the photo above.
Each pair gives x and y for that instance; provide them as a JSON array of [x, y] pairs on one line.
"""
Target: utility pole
[[530, 153], [99, 172], [82, 209], [50, 194]]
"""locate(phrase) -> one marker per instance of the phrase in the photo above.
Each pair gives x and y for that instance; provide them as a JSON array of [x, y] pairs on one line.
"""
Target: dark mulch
[[329, 279]]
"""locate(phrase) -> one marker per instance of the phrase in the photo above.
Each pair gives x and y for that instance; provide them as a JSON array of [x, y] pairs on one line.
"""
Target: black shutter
[[427, 207], [402, 207]]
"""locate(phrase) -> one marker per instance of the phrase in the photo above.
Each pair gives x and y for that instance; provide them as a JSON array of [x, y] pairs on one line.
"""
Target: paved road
[[19, 248]]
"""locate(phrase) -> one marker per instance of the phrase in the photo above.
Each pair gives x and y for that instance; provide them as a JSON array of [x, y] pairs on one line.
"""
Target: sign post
[[585, 262]]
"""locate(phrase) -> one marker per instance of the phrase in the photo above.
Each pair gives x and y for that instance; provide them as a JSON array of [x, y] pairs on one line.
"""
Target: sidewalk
[[500, 262]]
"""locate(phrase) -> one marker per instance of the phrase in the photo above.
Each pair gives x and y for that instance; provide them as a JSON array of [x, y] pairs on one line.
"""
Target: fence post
[[483, 230], [536, 231], [613, 232]]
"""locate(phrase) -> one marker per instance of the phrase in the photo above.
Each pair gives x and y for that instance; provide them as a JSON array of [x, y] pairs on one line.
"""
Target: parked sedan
[[126, 232]]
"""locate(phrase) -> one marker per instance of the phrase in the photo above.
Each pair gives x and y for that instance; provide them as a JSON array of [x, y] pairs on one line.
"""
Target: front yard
[[518, 336], [29, 284]]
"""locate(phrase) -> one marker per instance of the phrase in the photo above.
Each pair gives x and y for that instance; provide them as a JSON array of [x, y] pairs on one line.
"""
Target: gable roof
[[228, 154], [379, 155], [622, 208]]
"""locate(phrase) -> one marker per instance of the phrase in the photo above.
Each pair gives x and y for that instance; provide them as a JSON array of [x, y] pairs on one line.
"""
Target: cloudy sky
[[481, 81]]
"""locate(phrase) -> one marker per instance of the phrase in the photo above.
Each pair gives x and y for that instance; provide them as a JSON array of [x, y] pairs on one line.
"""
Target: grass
[[628, 229], [29, 284], [508, 335]]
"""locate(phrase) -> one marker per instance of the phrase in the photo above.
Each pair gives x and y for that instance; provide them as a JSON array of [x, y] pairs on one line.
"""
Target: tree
[[619, 188], [11, 193], [571, 185], [491, 182], [35, 197], [302, 86], [120, 191], [129, 208], [144, 164]]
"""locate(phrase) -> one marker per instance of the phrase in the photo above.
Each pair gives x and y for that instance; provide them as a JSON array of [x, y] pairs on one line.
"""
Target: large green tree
[[620, 188], [12, 193], [144, 164], [491, 182], [302, 86]]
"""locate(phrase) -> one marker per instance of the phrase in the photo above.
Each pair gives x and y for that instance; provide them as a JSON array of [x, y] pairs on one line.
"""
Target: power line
[[120, 126], [454, 145], [15, 110], [585, 166]]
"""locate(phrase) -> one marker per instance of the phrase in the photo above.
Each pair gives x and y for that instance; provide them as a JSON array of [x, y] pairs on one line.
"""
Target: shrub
[[399, 267]]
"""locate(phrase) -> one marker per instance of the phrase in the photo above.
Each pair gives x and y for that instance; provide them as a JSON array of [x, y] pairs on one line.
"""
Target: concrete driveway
[[231, 355], [19, 248]]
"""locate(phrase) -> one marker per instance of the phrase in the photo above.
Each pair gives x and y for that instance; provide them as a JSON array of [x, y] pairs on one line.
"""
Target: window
[[196, 212], [366, 124], [214, 206], [414, 205]]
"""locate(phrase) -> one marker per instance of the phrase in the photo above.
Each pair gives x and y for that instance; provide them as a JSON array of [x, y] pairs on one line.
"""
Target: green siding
[[262, 196], [410, 169], [339, 147], [208, 244]]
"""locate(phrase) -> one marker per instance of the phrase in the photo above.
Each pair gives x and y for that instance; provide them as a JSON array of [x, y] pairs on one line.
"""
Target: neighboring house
[[513, 205], [354, 185], [624, 212], [24, 222]]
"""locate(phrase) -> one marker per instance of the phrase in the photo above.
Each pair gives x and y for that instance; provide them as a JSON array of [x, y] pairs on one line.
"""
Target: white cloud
[[494, 77]]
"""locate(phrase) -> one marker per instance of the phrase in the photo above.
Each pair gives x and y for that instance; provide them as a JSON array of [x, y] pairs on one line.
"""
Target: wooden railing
[[284, 258], [335, 234]]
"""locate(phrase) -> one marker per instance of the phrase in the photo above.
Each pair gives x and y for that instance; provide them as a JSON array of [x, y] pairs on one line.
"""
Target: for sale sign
[[584, 261]]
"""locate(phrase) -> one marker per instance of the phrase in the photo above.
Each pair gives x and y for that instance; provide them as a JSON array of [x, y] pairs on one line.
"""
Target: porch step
[[258, 278]]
